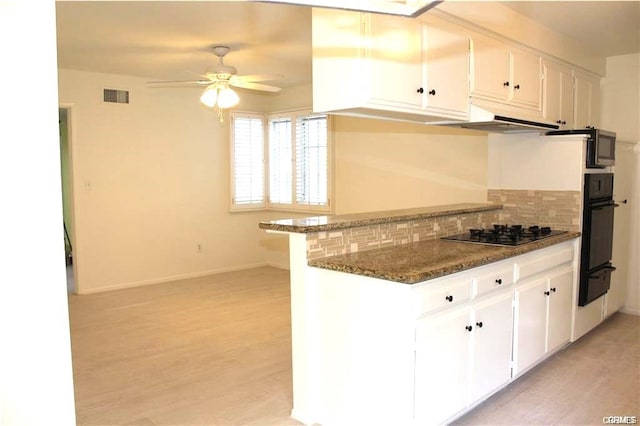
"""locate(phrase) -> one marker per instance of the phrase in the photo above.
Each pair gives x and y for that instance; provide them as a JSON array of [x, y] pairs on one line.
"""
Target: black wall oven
[[597, 237]]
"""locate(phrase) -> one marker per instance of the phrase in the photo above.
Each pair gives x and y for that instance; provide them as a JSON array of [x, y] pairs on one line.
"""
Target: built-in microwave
[[601, 146]]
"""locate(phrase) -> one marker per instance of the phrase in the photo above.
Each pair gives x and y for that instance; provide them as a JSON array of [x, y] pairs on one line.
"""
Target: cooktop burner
[[505, 235]]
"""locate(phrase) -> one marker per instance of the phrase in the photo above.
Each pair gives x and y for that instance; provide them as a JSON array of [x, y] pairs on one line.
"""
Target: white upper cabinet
[[446, 58], [490, 67], [558, 94], [389, 67], [505, 74], [587, 101], [393, 50]]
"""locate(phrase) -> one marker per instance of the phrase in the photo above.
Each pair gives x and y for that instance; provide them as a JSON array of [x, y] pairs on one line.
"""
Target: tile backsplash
[[351, 240], [557, 209]]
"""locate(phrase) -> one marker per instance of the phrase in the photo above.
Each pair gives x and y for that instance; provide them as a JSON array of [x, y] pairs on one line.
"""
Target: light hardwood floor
[[216, 351]]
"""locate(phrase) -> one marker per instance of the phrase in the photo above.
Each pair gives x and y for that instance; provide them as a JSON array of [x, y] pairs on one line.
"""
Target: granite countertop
[[312, 224], [416, 262]]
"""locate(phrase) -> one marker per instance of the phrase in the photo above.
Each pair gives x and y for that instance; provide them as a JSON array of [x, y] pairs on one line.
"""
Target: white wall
[[621, 97], [36, 385], [620, 113], [385, 165], [151, 182]]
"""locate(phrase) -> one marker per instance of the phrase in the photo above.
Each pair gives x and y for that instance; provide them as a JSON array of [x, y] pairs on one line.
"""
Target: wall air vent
[[116, 96]]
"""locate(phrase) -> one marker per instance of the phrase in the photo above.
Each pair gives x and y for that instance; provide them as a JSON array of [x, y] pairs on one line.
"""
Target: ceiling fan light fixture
[[210, 96], [227, 98]]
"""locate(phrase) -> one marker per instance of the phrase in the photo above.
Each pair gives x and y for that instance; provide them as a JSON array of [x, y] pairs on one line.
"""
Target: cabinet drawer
[[442, 295], [494, 279], [533, 263]]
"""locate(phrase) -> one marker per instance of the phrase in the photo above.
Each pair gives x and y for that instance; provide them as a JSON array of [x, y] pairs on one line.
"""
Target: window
[[297, 172], [311, 161], [247, 161]]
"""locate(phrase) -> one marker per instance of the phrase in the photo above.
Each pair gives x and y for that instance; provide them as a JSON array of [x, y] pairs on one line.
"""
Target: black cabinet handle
[[558, 121], [479, 324], [547, 293], [505, 84], [432, 92], [499, 281], [420, 90], [553, 289], [449, 298], [563, 122], [468, 328], [517, 87]]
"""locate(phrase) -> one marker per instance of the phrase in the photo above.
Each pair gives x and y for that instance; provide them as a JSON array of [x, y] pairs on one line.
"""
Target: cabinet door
[[490, 68], [442, 365], [531, 328], [552, 93], [560, 286], [339, 77], [566, 99], [586, 101], [557, 101], [446, 58], [395, 60], [491, 350], [526, 79]]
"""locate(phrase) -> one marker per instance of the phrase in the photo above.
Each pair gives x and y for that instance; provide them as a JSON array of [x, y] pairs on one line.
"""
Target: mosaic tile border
[[557, 209], [362, 238]]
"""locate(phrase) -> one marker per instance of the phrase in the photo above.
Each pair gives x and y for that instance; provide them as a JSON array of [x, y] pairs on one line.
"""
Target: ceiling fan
[[219, 77]]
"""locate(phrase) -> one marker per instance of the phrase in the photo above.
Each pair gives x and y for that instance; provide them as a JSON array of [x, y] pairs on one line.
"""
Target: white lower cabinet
[[531, 323], [543, 320], [442, 365], [389, 353], [462, 355], [560, 302], [491, 355]]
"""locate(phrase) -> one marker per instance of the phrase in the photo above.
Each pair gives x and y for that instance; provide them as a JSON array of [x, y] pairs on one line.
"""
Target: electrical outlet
[[198, 248]]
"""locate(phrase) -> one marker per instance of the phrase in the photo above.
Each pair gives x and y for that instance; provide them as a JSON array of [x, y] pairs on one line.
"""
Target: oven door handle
[[609, 269], [603, 206]]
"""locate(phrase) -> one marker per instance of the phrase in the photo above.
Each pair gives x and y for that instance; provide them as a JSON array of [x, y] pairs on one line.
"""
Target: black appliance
[[601, 146], [505, 235], [597, 237]]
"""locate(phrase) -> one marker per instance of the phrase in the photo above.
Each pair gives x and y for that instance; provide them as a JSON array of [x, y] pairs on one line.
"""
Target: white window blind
[[248, 172], [311, 161], [280, 160], [297, 173]]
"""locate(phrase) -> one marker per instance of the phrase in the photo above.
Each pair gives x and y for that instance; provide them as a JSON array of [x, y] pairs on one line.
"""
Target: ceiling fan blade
[[257, 77], [178, 83], [255, 86]]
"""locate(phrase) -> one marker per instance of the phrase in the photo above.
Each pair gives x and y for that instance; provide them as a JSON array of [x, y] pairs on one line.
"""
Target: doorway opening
[[66, 176]]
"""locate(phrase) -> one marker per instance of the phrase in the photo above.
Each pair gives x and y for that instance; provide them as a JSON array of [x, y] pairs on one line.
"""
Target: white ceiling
[[609, 28], [170, 40]]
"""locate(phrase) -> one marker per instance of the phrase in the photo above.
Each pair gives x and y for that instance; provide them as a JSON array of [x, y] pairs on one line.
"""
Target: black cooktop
[[505, 235]]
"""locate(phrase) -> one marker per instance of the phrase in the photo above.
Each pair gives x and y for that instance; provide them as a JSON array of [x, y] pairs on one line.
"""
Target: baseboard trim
[[175, 278], [278, 265], [630, 311]]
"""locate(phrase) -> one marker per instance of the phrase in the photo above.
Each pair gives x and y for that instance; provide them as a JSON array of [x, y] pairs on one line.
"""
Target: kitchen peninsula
[[391, 325]]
